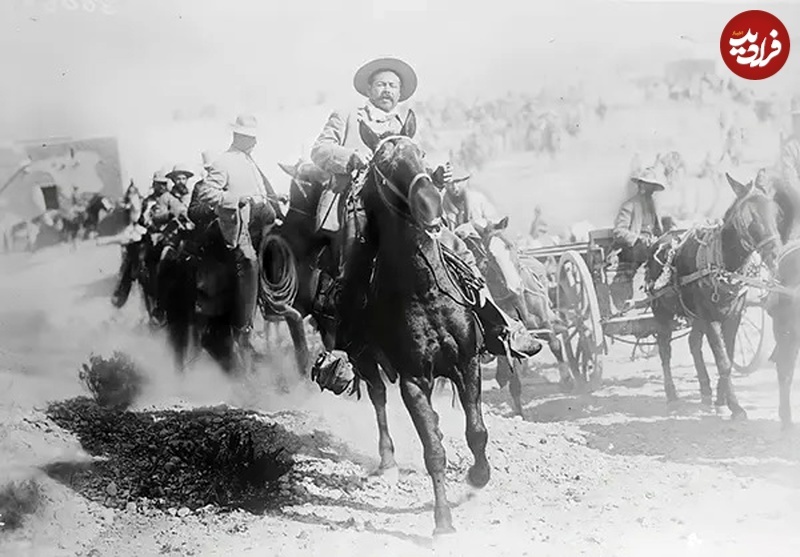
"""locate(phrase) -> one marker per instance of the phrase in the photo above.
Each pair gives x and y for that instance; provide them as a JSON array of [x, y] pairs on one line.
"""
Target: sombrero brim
[[659, 186], [174, 173], [249, 132], [407, 75]]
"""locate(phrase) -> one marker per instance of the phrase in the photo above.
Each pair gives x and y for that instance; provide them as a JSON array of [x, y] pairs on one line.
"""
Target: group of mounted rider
[[235, 201], [387, 253]]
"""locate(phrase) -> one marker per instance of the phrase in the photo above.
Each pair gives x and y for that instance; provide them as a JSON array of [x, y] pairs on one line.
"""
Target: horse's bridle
[[747, 242], [385, 183]]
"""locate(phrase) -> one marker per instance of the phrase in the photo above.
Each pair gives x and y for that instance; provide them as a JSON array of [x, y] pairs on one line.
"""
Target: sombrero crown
[[408, 78], [650, 176]]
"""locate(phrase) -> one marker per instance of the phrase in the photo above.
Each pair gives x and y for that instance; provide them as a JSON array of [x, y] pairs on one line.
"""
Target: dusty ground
[[608, 474]]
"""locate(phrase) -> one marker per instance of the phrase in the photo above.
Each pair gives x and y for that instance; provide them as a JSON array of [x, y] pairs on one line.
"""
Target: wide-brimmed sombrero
[[650, 176], [407, 75], [160, 177], [181, 168], [245, 124]]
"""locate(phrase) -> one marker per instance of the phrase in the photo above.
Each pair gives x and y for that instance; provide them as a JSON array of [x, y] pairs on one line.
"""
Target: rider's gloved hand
[[443, 175], [357, 161]]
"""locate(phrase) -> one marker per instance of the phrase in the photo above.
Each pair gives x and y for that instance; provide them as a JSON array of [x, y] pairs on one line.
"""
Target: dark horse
[[312, 253], [784, 307], [704, 290], [195, 287], [533, 307], [413, 319]]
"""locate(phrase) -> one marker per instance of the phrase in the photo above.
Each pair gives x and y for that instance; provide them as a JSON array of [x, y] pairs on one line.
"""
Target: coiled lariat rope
[[277, 298]]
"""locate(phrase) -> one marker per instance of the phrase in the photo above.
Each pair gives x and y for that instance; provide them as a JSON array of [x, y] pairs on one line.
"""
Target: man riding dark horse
[[158, 209], [238, 196], [340, 151]]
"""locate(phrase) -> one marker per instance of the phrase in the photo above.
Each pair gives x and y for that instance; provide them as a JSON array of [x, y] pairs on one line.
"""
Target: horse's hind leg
[[787, 343], [716, 340], [377, 394], [416, 393], [298, 333], [515, 387], [469, 389], [696, 348], [565, 382]]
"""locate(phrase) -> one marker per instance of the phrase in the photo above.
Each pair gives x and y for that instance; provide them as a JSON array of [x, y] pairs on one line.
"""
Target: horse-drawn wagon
[[579, 278]]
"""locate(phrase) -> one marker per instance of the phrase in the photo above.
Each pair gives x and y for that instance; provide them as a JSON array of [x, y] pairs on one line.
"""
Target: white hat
[[246, 124]]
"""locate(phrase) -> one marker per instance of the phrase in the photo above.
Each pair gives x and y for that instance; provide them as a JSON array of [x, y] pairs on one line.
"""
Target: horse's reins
[[433, 231]]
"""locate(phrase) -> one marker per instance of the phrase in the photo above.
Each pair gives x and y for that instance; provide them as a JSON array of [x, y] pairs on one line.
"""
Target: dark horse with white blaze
[[533, 307], [413, 319], [704, 289]]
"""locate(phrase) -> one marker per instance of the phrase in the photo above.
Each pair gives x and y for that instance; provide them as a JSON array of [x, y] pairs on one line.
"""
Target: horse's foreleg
[[696, 348], [469, 390], [716, 339], [377, 394], [416, 394], [664, 339]]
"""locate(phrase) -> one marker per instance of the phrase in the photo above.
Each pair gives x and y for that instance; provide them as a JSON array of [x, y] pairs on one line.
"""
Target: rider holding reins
[[339, 150]]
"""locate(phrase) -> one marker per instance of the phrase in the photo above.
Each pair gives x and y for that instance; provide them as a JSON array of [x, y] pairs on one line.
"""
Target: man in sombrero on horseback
[[339, 150]]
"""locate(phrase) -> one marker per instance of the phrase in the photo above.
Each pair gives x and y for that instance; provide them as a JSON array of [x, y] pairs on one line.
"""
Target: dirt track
[[608, 474]]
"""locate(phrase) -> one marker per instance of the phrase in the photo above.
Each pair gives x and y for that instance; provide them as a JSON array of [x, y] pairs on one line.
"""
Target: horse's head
[[401, 178], [308, 181], [754, 219]]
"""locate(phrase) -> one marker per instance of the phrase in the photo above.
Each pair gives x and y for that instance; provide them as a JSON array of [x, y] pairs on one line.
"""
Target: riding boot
[[246, 291], [504, 335], [125, 280]]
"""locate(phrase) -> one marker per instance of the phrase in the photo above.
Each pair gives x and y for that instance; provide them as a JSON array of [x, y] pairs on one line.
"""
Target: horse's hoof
[[443, 531], [672, 399], [391, 474], [739, 415], [787, 426], [706, 400], [478, 476]]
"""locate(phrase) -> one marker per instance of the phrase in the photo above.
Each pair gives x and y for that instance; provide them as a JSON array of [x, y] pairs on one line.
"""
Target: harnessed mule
[[413, 318], [704, 288]]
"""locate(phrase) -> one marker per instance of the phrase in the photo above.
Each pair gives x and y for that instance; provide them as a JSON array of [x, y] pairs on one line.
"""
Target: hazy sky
[[69, 72]]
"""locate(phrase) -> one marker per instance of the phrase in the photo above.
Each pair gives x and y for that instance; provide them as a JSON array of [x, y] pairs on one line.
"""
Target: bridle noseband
[[744, 233], [385, 183]]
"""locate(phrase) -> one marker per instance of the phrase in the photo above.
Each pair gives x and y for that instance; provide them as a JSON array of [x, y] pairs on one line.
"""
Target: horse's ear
[[368, 136], [738, 188], [410, 125], [288, 169], [502, 224]]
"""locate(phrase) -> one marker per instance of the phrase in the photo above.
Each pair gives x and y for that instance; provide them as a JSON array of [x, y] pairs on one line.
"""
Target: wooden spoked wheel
[[576, 303]]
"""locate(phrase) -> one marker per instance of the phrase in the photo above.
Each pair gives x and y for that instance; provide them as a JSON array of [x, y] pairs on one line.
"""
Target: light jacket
[[629, 224]]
